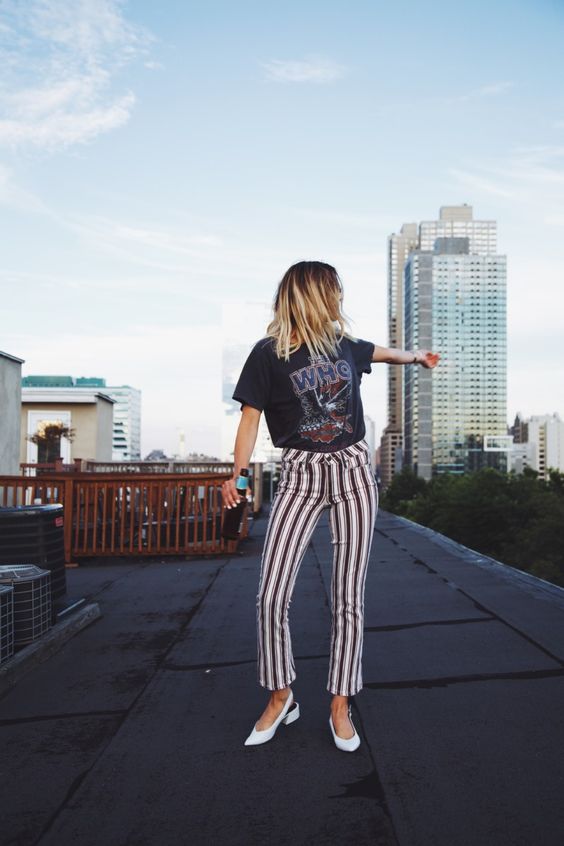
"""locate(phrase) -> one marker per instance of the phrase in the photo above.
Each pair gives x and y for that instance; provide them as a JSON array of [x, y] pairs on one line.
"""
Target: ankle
[[278, 696]]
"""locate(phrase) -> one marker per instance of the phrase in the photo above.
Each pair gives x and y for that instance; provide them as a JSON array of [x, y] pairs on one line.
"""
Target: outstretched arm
[[390, 355]]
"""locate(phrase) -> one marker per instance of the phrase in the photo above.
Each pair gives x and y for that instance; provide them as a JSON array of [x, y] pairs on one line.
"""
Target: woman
[[305, 375]]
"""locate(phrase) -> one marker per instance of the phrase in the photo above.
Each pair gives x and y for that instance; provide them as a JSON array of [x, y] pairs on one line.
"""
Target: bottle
[[233, 517]]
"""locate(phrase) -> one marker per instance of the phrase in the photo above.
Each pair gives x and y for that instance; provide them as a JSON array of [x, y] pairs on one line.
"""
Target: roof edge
[[528, 580], [12, 357]]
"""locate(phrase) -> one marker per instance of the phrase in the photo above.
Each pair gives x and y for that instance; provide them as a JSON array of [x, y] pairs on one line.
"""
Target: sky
[[159, 161]]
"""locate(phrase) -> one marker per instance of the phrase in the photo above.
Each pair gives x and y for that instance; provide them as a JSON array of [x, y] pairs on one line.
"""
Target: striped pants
[[311, 482]]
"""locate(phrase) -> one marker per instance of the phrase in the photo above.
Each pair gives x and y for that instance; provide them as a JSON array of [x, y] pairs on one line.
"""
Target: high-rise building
[[446, 291], [458, 222], [455, 303], [391, 446]]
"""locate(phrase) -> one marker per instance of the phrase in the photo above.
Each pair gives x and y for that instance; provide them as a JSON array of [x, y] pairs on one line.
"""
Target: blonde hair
[[307, 310]]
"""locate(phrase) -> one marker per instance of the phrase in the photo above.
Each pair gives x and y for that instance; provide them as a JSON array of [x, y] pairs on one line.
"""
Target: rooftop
[[63, 395], [133, 733]]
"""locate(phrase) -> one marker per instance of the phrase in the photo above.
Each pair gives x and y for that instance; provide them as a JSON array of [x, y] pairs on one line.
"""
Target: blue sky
[[158, 161]]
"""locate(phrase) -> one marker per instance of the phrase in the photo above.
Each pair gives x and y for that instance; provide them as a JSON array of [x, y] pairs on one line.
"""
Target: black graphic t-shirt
[[310, 403]]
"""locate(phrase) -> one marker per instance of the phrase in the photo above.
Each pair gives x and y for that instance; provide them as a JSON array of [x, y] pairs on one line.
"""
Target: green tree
[[405, 486], [517, 519]]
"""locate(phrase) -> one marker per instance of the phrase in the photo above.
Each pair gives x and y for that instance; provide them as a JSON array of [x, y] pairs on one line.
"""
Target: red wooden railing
[[57, 466], [133, 514]]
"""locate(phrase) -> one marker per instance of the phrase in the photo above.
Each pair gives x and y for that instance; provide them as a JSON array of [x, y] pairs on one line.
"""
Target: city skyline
[[156, 163]]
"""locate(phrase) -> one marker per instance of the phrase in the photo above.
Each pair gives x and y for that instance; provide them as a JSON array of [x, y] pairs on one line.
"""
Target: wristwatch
[[414, 358]]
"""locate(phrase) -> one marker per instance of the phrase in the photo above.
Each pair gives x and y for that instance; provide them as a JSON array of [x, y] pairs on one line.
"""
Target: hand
[[427, 358], [230, 494]]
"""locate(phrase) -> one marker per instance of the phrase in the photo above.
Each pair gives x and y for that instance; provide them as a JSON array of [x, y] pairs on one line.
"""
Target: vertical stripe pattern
[[311, 482]]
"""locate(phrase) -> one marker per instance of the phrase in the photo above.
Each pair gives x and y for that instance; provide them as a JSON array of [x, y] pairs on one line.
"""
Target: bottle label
[[242, 483]]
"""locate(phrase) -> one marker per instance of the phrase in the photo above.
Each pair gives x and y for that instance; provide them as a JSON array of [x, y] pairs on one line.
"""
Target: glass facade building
[[455, 304], [126, 444]]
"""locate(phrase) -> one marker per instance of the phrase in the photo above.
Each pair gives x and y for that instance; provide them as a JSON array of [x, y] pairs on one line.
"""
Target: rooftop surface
[[133, 733]]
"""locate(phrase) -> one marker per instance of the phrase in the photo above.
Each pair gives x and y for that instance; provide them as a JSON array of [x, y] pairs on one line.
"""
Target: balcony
[[133, 732]]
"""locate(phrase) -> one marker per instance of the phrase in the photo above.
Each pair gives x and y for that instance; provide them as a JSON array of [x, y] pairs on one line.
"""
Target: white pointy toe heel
[[345, 744], [289, 713]]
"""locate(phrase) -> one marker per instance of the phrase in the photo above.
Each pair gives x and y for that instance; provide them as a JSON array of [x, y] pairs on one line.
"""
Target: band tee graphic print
[[324, 390]]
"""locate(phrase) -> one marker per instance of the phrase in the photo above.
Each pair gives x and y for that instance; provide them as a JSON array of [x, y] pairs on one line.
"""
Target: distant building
[[458, 222], [446, 292], [10, 413], [455, 303], [543, 449], [156, 455], [399, 247], [519, 430], [87, 411], [126, 436], [522, 456], [127, 422]]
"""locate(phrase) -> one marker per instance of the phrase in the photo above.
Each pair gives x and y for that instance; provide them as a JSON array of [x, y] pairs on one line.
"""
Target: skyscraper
[[453, 294], [391, 446]]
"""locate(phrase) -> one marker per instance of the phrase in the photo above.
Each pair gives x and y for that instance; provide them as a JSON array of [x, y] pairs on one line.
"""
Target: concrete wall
[[10, 404], [92, 422], [105, 430]]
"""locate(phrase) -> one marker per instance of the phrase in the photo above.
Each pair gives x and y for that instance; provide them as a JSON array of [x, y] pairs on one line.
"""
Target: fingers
[[430, 359], [229, 493]]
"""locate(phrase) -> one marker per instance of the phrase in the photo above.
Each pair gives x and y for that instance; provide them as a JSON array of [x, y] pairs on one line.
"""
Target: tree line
[[517, 519]]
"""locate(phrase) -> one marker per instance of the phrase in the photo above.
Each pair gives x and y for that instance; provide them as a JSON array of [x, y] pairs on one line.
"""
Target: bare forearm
[[391, 355]]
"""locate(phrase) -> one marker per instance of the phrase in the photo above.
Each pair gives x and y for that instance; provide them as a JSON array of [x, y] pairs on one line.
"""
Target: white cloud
[[489, 90], [60, 65], [61, 129], [480, 183], [313, 69], [533, 175]]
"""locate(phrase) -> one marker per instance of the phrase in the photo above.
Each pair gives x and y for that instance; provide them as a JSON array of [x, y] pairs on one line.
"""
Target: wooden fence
[[133, 514]]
